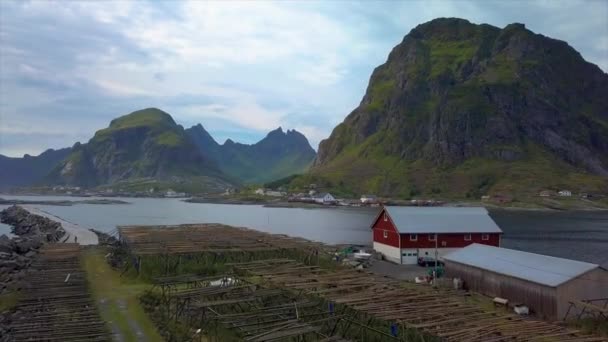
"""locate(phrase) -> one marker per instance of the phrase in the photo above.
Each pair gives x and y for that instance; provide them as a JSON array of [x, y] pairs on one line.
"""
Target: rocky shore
[[16, 254], [61, 202]]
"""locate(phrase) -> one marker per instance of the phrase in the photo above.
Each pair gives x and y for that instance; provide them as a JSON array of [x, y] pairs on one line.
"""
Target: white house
[[368, 199], [259, 191], [173, 194], [565, 193], [324, 198]]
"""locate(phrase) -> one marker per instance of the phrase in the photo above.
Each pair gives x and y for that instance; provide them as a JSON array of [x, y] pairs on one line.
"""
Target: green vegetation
[[118, 299], [149, 117], [380, 92], [8, 300], [461, 111], [366, 168], [449, 55], [169, 138]]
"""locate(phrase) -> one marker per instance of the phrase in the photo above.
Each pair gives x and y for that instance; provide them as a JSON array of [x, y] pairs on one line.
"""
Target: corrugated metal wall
[[540, 299], [590, 285]]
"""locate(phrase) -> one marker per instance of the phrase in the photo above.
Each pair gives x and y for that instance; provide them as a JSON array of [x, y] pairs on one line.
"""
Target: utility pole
[[436, 257]]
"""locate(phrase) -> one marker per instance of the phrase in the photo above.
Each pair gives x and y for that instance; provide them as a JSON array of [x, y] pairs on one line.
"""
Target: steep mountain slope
[[278, 155], [461, 110], [16, 172], [146, 144]]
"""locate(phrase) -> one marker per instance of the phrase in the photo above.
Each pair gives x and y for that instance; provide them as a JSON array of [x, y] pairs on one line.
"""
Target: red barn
[[402, 234]]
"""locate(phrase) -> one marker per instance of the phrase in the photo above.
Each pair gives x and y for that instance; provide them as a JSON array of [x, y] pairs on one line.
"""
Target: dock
[[73, 232]]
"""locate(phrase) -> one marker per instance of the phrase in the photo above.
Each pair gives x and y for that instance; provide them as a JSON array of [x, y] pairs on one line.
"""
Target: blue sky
[[240, 68]]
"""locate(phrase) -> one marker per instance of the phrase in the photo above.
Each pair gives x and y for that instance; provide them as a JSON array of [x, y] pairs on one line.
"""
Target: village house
[[403, 234], [172, 194], [368, 199], [565, 193], [324, 198], [546, 193], [545, 284], [259, 191]]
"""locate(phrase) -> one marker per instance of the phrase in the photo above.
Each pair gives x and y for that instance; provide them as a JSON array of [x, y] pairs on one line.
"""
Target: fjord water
[[579, 235]]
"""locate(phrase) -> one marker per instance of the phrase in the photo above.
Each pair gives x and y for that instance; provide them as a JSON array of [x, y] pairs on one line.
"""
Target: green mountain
[[137, 151], [16, 172], [278, 155], [463, 110]]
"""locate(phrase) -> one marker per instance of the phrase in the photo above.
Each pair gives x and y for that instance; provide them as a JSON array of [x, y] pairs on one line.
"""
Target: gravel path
[[74, 232]]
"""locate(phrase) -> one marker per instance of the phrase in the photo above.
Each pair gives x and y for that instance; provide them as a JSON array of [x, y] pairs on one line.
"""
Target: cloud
[[238, 67]]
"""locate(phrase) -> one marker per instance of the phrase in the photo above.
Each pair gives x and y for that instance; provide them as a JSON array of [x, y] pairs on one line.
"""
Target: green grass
[[106, 284], [380, 93], [449, 55], [170, 138], [8, 300], [370, 167], [144, 117]]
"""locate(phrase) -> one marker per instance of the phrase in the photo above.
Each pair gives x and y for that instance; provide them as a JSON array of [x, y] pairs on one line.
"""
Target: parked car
[[428, 261]]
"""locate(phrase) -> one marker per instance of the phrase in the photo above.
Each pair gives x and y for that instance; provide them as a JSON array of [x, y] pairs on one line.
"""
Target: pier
[[73, 232]]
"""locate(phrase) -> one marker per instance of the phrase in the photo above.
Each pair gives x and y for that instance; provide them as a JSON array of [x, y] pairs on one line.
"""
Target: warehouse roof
[[537, 268], [414, 220]]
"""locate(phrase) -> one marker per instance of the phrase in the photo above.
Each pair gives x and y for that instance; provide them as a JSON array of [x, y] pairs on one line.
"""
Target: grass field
[[118, 300]]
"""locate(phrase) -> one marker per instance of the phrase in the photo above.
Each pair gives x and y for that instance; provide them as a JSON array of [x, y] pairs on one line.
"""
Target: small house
[[259, 191], [546, 193], [565, 193], [402, 234], [274, 193], [324, 198], [172, 194], [368, 199], [545, 284]]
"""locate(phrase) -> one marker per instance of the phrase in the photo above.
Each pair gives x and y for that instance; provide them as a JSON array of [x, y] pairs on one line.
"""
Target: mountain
[[137, 151], [463, 110], [16, 172], [278, 155]]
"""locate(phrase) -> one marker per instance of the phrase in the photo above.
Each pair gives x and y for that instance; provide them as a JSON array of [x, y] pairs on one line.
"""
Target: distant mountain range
[[278, 155], [464, 110], [16, 172], [457, 111], [147, 149]]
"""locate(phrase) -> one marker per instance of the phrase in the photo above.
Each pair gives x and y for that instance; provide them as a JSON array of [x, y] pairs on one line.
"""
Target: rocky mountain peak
[[454, 93]]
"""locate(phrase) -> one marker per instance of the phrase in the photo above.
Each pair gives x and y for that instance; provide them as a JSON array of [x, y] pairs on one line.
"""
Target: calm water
[[576, 235]]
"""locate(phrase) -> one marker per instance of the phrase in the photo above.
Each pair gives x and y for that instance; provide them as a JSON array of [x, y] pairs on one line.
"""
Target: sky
[[240, 69]]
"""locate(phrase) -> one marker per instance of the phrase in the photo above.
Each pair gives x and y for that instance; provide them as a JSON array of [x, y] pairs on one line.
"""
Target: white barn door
[[409, 256]]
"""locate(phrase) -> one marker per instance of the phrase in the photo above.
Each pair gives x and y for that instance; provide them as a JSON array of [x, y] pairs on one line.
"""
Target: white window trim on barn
[[485, 237], [385, 234], [413, 237], [385, 217], [432, 237], [467, 237]]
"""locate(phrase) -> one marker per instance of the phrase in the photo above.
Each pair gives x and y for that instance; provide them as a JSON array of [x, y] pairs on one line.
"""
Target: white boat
[[361, 255]]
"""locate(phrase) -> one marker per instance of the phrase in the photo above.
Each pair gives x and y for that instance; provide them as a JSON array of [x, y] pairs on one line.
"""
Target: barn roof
[[536, 268], [415, 220]]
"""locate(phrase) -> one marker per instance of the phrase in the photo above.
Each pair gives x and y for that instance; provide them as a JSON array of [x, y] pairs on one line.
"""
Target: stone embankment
[[17, 253]]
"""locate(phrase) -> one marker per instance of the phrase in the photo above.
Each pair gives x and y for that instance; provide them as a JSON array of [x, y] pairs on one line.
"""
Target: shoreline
[[282, 203], [4, 201]]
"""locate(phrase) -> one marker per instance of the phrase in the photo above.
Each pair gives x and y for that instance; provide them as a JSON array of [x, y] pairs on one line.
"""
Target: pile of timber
[[252, 312], [201, 238], [439, 313], [56, 304]]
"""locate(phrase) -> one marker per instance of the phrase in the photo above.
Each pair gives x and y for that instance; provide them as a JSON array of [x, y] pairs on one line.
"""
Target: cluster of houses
[[467, 241], [568, 193], [313, 196]]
